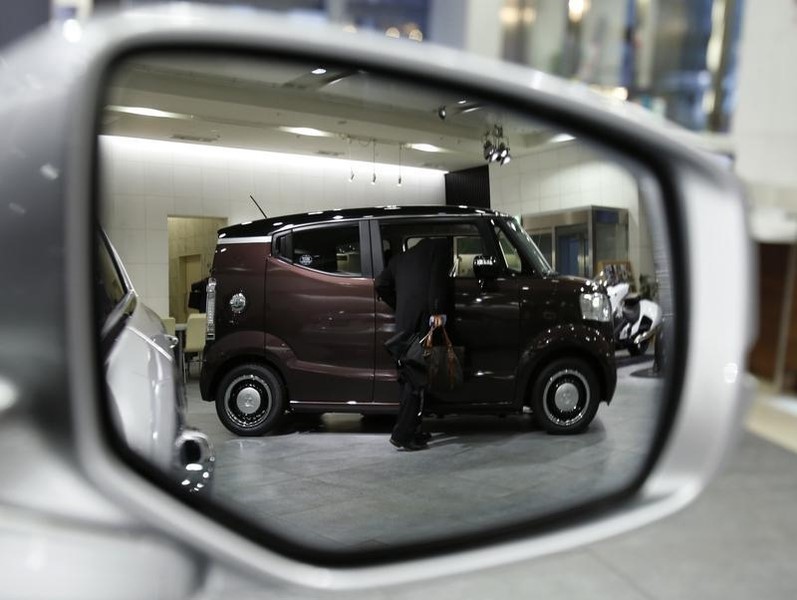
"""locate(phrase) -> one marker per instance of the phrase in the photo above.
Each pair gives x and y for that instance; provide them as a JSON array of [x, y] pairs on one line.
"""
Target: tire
[[250, 400], [638, 349], [582, 391]]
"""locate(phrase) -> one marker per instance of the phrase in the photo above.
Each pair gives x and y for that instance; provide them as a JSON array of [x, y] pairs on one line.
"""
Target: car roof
[[268, 226]]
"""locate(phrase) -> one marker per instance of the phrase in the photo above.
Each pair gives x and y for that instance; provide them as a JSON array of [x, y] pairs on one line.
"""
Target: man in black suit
[[415, 284]]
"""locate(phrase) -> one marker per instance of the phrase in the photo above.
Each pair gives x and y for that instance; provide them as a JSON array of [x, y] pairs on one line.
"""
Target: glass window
[[527, 246], [110, 286], [466, 242], [329, 249], [510, 253]]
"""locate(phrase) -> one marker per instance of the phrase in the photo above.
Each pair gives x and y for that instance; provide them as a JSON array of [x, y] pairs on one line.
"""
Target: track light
[[488, 149], [496, 148]]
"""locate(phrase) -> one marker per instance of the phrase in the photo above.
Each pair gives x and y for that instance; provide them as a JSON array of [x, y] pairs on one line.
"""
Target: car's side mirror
[[486, 267], [139, 125]]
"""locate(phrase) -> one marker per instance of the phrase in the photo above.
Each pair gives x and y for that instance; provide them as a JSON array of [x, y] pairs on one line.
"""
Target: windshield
[[527, 246]]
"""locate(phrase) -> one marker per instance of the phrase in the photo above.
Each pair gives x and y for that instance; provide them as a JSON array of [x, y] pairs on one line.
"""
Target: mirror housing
[[486, 267], [52, 194]]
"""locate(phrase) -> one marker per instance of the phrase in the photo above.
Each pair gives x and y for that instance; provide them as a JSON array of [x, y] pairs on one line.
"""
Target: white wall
[[146, 181], [566, 175], [765, 123], [471, 25]]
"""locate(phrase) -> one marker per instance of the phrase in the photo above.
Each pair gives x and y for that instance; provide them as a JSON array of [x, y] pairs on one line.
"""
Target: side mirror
[[486, 267], [101, 117]]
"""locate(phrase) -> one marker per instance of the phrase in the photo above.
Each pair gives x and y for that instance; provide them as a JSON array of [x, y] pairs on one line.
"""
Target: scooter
[[636, 320]]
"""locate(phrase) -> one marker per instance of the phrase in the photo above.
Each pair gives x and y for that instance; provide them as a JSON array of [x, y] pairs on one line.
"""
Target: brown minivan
[[294, 323]]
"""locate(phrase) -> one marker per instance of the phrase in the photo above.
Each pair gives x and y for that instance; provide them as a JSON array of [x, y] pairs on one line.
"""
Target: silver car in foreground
[[148, 403]]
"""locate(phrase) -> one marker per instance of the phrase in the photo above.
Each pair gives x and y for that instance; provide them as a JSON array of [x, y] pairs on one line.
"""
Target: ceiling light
[[308, 131], [318, 71], [399, 167], [576, 9], [373, 179], [462, 102], [488, 150], [143, 111], [425, 147], [393, 32], [416, 35], [561, 137]]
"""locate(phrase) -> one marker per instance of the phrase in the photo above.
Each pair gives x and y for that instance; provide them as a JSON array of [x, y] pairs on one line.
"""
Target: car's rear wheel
[[565, 396], [250, 400]]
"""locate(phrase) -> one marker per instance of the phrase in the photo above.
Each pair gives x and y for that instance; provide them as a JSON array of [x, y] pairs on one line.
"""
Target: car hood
[[576, 285]]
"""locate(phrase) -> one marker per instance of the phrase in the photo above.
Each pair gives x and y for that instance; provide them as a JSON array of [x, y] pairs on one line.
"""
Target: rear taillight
[[210, 309]]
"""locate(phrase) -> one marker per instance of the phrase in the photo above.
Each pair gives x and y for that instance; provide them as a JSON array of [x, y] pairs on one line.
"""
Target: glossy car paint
[[325, 333], [50, 387]]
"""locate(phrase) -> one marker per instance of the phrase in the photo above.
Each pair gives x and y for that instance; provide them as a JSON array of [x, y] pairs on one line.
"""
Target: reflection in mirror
[[277, 225]]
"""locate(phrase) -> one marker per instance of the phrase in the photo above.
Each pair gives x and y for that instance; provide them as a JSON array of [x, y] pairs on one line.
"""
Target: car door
[[486, 316], [320, 307]]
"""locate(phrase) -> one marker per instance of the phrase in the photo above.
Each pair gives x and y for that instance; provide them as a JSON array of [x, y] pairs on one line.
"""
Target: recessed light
[[425, 147], [319, 71], [309, 131], [143, 111]]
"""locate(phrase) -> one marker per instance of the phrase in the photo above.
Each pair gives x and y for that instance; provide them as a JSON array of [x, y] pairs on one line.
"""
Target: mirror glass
[[274, 235]]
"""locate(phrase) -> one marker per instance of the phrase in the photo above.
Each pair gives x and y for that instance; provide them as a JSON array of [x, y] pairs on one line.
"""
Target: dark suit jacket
[[416, 284]]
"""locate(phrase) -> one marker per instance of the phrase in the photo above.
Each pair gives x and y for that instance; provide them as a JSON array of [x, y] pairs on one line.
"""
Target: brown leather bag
[[443, 362]]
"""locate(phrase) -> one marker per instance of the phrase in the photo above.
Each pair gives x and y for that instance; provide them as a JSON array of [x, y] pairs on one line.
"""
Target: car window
[[509, 252], [111, 287], [466, 242], [329, 249]]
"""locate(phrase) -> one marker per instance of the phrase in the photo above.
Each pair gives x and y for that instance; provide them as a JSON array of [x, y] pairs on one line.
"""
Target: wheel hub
[[566, 397], [248, 400]]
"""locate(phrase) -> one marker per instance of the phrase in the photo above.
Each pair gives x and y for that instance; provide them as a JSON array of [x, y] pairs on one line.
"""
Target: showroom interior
[[191, 144]]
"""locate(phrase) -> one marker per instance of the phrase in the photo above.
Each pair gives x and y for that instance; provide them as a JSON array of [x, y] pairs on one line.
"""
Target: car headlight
[[595, 307]]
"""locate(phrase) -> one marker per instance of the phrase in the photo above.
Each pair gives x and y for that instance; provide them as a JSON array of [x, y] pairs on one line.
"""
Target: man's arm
[[385, 286]]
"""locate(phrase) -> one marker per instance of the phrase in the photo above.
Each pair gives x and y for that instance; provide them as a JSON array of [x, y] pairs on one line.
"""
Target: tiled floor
[[737, 541], [337, 483]]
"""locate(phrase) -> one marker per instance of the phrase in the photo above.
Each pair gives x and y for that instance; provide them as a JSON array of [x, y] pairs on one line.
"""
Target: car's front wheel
[[565, 396], [250, 400]]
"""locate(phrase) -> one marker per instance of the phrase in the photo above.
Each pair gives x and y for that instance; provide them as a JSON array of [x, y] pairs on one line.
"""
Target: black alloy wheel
[[565, 396], [250, 400]]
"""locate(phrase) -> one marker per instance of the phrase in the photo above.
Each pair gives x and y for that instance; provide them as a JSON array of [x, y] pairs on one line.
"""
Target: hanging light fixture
[[351, 166], [373, 177], [399, 176], [496, 146]]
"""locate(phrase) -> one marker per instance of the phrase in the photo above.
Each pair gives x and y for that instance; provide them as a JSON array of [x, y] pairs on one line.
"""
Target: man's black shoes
[[413, 444]]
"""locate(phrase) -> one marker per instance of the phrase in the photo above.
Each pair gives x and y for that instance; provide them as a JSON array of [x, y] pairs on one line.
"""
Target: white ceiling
[[241, 103]]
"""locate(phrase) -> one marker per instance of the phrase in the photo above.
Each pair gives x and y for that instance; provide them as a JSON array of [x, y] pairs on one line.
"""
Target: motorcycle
[[636, 320]]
